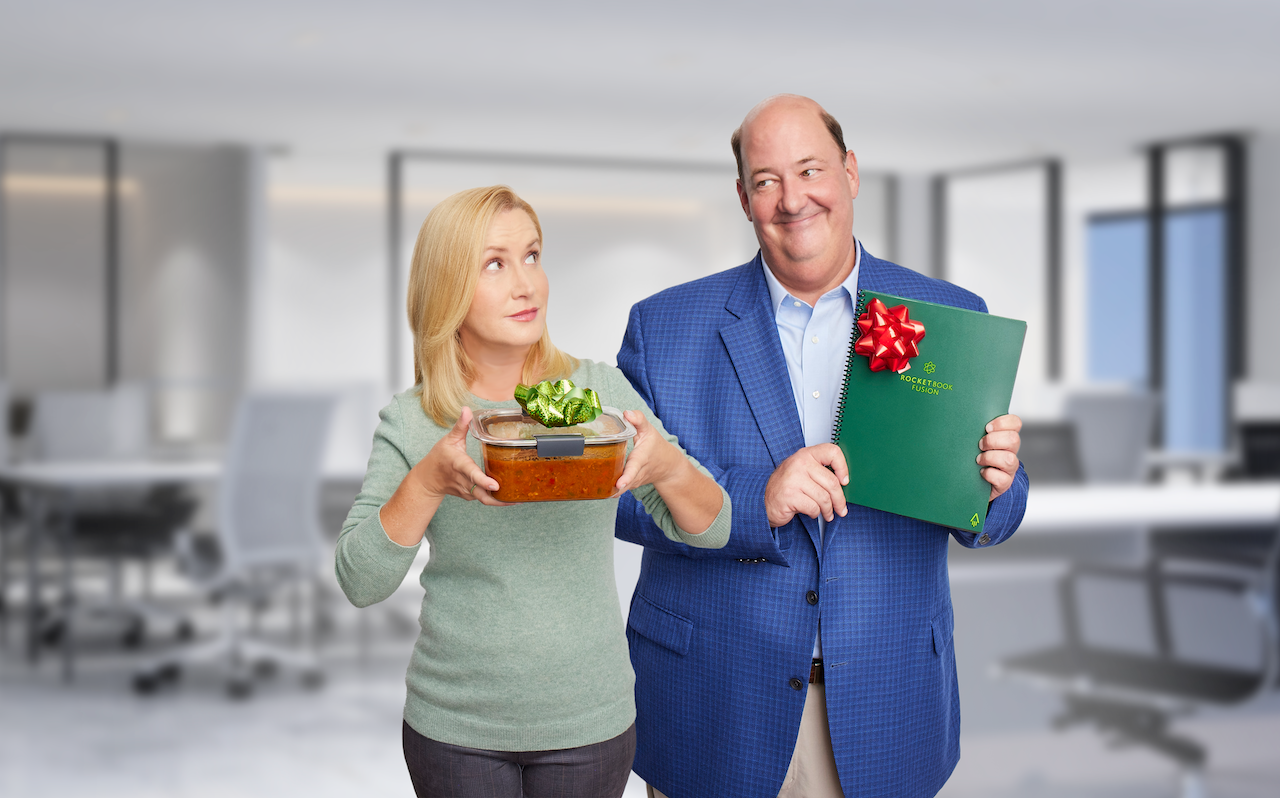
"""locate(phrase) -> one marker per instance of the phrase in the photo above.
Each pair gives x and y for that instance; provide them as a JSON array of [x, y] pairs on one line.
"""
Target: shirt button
[[796, 684], [797, 303], [814, 339], [815, 394], [811, 597]]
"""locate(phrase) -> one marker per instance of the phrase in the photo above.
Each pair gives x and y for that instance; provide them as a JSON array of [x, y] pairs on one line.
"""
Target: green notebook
[[911, 438]]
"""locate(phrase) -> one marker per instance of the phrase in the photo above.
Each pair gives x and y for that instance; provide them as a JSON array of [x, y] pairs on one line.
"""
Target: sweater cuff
[[714, 536]]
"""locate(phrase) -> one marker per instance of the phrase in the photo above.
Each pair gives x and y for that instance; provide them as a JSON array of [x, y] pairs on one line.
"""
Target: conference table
[[48, 493], [49, 490], [1053, 509]]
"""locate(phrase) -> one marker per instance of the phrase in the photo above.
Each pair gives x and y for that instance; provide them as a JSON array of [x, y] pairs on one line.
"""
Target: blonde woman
[[520, 682]]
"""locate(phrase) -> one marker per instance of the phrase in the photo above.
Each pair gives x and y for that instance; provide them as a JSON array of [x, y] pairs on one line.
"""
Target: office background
[[205, 201]]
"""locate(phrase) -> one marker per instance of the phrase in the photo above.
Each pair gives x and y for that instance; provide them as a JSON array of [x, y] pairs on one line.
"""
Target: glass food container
[[533, 463]]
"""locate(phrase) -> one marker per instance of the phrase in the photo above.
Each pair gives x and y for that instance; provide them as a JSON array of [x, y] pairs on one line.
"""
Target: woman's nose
[[521, 282]]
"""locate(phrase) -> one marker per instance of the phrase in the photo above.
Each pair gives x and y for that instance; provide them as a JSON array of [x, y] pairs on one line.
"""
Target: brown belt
[[815, 672]]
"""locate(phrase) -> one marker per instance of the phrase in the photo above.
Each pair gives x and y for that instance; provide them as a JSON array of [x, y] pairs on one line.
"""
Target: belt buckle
[[815, 672]]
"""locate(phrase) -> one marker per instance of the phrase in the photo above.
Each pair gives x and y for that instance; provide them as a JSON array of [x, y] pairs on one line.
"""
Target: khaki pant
[[812, 772]]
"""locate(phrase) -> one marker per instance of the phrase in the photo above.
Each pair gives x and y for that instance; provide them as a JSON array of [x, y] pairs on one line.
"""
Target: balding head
[[781, 105]]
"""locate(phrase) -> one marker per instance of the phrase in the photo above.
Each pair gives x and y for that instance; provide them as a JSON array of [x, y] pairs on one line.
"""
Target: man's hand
[[804, 484], [999, 458]]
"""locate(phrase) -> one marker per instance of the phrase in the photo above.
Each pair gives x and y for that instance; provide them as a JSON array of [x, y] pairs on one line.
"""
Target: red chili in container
[[533, 463]]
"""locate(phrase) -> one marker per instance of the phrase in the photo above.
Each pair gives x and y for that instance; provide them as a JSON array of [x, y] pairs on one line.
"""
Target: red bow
[[889, 337]]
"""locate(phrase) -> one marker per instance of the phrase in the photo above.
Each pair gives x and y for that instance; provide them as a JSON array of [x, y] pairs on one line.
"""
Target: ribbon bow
[[559, 403], [889, 337]]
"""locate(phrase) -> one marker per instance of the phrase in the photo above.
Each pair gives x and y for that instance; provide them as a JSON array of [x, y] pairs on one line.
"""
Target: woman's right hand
[[448, 470]]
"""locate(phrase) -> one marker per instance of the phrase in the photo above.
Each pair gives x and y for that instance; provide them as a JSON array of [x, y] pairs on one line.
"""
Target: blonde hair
[[442, 283]]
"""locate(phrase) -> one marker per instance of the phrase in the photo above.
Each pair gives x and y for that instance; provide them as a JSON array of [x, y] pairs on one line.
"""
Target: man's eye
[[531, 258], [493, 266], [764, 183], [809, 173]]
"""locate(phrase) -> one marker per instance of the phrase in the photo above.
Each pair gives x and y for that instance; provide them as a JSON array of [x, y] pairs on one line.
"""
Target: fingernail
[[844, 481], [990, 427]]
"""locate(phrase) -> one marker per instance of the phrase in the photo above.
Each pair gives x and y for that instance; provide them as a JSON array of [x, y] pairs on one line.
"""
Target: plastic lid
[[511, 427]]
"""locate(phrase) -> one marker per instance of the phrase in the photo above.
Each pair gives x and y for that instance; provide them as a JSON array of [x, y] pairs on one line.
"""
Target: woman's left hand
[[652, 460]]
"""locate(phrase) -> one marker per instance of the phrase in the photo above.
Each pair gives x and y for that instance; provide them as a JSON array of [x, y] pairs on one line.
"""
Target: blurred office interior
[[205, 226]]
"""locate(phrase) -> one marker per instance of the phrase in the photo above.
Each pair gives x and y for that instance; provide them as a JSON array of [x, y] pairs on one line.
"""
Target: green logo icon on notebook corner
[[929, 368], [973, 522]]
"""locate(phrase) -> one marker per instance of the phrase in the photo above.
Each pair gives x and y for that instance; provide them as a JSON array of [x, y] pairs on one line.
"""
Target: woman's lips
[[525, 315]]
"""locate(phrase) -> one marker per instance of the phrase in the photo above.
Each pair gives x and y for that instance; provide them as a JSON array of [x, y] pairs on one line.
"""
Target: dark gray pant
[[442, 770]]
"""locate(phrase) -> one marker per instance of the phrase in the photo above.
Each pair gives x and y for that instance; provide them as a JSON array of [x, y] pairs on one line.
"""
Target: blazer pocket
[[665, 628], [944, 629]]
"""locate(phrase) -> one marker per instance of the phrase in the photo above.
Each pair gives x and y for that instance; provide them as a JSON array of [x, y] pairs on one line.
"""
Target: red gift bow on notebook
[[889, 337]]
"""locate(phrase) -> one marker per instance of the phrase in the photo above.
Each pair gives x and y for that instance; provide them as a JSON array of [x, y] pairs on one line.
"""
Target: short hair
[[442, 284], [833, 127]]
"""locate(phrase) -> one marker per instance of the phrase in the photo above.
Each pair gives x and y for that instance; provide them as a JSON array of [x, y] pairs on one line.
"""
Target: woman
[[520, 682]]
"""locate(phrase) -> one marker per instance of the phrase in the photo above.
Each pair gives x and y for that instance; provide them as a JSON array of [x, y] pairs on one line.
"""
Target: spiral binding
[[858, 310]]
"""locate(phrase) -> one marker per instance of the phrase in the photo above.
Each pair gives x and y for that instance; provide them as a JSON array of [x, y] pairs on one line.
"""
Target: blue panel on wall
[[1195, 369], [1117, 317]]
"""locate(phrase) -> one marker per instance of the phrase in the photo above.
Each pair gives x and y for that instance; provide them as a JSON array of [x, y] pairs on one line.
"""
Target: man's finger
[[1004, 460], [840, 466], [999, 479], [1001, 439], [1010, 421]]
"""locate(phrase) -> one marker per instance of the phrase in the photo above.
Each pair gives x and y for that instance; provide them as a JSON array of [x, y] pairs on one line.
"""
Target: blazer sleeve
[[1003, 516], [751, 536]]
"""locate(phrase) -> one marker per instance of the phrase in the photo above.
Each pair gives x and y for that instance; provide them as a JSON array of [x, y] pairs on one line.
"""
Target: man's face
[[798, 191]]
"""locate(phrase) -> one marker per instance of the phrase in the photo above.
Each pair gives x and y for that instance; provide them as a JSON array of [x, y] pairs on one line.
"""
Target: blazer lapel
[[756, 353]]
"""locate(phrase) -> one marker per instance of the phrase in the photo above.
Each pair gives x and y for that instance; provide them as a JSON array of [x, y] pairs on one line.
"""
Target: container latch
[[568, 445]]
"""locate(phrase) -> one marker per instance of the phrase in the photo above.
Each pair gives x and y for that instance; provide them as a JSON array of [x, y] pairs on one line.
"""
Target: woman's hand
[[693, 498], [448, 470], [652, 459]]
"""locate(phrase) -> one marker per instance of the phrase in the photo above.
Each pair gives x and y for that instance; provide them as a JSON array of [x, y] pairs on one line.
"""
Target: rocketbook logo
[[929, 368]]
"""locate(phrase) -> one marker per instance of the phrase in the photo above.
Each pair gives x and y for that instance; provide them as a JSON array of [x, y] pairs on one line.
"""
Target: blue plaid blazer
[[718, 635]]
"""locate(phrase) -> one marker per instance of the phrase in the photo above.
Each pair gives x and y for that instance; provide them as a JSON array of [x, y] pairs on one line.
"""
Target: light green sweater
[[522, 647]]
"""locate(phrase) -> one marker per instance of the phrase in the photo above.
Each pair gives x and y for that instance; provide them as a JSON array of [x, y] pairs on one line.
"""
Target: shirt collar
[[777, 293]]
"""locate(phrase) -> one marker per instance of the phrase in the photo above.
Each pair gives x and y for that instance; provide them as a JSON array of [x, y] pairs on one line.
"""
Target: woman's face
[[509, 309]]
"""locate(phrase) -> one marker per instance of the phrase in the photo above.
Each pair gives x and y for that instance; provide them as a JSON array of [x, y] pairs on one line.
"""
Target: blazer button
[[984, 540], [796, 684], [811, 597]]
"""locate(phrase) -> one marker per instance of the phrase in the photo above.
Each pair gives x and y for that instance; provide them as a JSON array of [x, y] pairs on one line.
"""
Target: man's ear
[[742, 198], [851, 169]]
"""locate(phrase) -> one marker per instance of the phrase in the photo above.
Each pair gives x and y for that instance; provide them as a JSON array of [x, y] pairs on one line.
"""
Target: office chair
[[1113, 432], [1049, 453], [117, 525], [267, 538], [1260, 445], [1135, 697]]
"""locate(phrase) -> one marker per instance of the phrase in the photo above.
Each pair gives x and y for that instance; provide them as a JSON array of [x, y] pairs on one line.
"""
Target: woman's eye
[[493, 266], [531, 258]]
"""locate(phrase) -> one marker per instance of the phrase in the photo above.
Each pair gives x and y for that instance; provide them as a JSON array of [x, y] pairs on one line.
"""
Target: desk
[[1060, 509], [48, 492]]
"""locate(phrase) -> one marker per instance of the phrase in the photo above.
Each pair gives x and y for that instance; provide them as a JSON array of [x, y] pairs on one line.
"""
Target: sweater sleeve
[[624, 397], [369, 565]]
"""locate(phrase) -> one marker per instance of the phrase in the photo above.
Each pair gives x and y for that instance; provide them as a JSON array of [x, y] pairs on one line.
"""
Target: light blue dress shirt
[[815, 342]]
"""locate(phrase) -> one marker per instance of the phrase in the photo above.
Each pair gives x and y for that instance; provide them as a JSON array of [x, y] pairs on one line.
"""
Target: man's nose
[[793, 197]]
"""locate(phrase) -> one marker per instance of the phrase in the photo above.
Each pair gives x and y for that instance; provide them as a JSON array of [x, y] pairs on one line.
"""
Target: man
[[812, 656]]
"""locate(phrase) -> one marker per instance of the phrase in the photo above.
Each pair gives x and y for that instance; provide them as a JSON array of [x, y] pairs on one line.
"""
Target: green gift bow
[[559, 403]]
